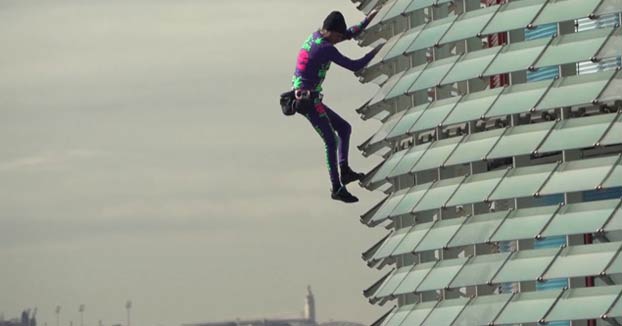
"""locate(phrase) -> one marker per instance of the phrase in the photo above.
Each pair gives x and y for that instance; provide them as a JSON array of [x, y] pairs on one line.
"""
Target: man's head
[[334, 28]]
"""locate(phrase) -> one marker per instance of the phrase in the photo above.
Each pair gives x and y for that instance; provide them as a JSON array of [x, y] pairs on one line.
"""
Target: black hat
[[335, 22]]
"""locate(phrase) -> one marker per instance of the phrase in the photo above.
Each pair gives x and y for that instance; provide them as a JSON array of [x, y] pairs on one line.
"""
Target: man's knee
[[345, 129]]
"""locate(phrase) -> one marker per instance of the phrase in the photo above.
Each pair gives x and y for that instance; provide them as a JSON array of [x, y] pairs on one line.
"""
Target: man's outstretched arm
[[353, 65], [356, 30]]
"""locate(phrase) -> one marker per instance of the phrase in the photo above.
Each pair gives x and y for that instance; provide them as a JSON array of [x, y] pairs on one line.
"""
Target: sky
[[143, 157]]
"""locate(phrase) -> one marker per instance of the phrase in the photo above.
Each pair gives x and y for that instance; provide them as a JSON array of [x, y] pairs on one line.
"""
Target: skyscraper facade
[[500, 154]]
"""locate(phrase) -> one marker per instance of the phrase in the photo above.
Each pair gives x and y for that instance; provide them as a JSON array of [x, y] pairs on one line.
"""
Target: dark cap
[[335, 22]]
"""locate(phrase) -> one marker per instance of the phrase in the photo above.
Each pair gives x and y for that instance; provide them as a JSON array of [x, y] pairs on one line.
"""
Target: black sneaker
[[343, 195], [347, 175]]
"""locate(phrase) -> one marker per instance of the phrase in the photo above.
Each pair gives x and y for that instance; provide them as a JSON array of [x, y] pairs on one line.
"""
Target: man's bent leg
[[344, 130], [319, 120]]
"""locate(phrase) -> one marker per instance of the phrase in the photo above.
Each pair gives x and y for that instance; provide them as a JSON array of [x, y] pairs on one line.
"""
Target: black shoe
[[343, 195], [347, 175]]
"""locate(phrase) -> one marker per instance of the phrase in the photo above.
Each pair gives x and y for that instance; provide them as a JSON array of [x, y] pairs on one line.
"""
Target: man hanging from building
[[314, 59]]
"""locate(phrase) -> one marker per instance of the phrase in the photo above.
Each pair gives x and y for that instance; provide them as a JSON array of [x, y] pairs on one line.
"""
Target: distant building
[[308, 318], [26, 319]]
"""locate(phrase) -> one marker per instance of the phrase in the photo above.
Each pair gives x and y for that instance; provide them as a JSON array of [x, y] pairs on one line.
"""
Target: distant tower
[[310, 306]]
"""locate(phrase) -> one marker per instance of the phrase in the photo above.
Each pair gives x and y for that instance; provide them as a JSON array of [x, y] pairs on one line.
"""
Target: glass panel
[[438, 194], [562, 10], [388, 166], [414, 278], [575, 90], [514, 15], [527, 307], [419, 314], [397, 9], [482, 310], [616, 310], [615, 223], [614, 135], [523, 182], [390, 244], [434, 115], [517, 56], [473, 106], [474, 147], [520, 140], [402, 45], [420, 4], [582, 260], [383, 212], [577, 133], [441, 275], [581, 218], [446, 312], [469, 24], [479, 270], [431, 34], [525, 265], [471, 65], [407, 121], [519, 98], [585, 303], [440, 234], [477, 229], [436, 154], [476, 188], [384, 130], [392, 282], [411, 199], [574, 47], [616, 266], [524, 223], [615, 178], [385, 89], [412, 239], [433, 74], [386, 48], [579, 175], [399, 315], [404, 83], [384, 10], [410, 159]]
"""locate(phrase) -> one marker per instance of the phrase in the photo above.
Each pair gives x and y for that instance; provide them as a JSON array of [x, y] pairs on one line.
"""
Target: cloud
[[50, 160]]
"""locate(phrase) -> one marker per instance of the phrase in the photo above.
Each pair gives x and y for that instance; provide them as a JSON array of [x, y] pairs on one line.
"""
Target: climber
[[314, 59]]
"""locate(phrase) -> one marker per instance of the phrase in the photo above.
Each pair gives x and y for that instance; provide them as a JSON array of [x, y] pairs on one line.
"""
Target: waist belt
[[305, 94]]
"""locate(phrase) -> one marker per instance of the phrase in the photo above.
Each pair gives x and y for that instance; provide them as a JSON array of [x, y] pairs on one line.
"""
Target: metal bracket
[[543, 140], [492, 322], [548, 266], [548, 311], [609, 127], [444, 206], [530, 25], [601, 231], [507, 259], [548, 222], [489, 240], [533, 67], [414, 251], [466, 220], [537, 193], [613, 167], [603, 273], [448, 286]]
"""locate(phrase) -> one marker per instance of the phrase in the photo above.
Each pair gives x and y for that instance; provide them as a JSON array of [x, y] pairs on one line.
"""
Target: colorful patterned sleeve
[[354, 31]]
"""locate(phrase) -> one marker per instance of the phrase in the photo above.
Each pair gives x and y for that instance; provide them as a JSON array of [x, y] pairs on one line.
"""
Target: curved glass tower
[[500, 154]]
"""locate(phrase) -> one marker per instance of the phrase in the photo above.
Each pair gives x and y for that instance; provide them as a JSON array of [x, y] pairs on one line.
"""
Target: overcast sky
[[143, 156]]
